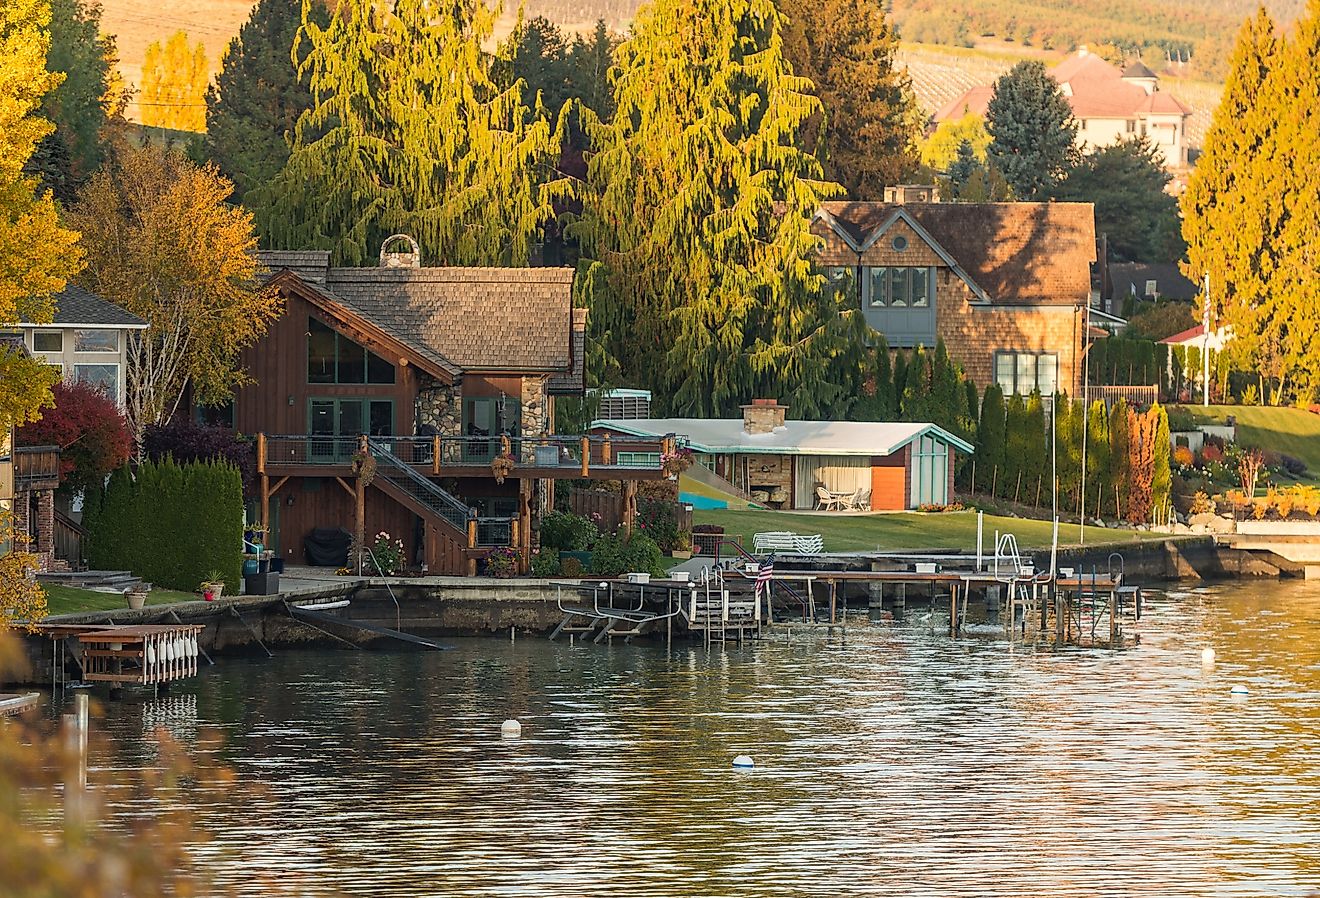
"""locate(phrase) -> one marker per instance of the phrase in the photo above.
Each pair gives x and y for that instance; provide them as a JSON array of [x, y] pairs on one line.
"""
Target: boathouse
[[886, 466]]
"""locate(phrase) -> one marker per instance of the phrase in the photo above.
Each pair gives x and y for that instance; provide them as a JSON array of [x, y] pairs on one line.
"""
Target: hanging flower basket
[[676, 462], [364, 466], [502, 466]]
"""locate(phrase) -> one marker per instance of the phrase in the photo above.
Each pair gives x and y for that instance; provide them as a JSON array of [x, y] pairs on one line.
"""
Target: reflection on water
[[894, 761]]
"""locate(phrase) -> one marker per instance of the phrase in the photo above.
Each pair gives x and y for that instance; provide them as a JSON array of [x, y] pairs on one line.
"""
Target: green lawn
[[69, 600], [1291, 431], [951, 530]]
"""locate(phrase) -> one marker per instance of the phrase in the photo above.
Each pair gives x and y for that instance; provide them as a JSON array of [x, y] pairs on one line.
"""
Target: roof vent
[[412, 258]]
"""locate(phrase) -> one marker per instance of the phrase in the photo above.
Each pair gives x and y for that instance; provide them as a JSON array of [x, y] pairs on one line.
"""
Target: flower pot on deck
[[136, 600]]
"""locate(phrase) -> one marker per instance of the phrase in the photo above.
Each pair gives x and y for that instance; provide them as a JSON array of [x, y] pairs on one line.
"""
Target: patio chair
[[825, 500], [763, 543], [813, 544], [858, 501]]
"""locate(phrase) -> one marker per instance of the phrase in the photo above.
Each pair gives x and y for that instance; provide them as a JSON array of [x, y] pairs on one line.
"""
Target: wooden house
[[419, 402]]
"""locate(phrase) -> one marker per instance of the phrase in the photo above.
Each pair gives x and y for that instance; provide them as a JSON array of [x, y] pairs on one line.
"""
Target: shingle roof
[[975, 100], [309, 264], [1138, 69], [792, 438], [1170, 282], [1016, 252], [74, 305], [476, 318]]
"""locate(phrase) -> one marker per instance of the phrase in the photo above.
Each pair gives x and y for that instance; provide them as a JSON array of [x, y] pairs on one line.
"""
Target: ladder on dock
[[716, 613], [605, 621]]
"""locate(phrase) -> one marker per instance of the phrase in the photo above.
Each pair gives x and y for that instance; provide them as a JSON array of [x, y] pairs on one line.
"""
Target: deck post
[[261, 453], [606, 451], [435, 455], [515, 541], [586, 455], [525, 521], [472, 543], [629, 506]]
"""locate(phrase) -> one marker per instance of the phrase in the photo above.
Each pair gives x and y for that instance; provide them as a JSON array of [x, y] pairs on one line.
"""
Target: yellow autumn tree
[[22, 600], [163, 242], [174, 79], [37, 256]]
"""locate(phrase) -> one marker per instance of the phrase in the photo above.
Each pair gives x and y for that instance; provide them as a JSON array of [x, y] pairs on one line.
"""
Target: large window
[[1026, 372], [333, 358], [900, 303], [95, 341], [48, 341], [930, 471], [105, 377], [489, 417]]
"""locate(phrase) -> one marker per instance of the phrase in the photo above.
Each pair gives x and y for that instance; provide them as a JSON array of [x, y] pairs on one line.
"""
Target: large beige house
[[1109, 104]]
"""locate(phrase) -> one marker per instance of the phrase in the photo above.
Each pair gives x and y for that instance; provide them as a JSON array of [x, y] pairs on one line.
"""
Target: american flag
[[764, 575]]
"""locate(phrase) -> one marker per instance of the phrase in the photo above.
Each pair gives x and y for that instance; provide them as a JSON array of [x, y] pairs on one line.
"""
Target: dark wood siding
[[276, 401], [310, 502]]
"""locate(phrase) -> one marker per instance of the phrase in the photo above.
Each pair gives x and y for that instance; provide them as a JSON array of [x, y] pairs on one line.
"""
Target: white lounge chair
[[773, 540], [809, 545]]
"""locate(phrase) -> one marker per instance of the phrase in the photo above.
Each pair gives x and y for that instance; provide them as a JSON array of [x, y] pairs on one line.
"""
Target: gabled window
[[899, 302], [333, 358]]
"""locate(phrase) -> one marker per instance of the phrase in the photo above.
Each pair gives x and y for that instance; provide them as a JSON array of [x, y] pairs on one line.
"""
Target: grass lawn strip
[[71, 600], [871, 532], [1291, 431]]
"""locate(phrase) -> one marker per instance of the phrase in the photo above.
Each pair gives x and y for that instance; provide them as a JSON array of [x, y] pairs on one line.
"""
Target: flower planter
[[681, 553], [136, 600]]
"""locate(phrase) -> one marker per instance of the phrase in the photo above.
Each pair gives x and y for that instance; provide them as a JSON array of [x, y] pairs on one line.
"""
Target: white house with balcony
[[87, 341]]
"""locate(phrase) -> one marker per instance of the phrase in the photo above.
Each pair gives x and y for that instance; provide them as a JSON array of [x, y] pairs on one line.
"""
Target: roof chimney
[[763, 416], [412, 258], [912, 193]]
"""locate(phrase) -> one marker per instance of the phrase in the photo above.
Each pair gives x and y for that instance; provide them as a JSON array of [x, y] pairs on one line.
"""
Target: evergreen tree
[[1126, 181], [256, 100], [1098, 458], [876, 400], [962, 167], [1224, 206], [407, 132], [174, 79], [972, 402], [1118, 458], [589, 61], [846, 49], [83, 105], [1161, 481], [1036, 462], [915, 388], [1015, 476], [1032, 131], [990, 436], [536, 54], [701, 209]]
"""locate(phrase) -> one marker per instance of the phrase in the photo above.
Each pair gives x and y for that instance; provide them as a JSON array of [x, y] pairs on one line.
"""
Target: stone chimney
[[398, 258], [912, 193], [763, 415]]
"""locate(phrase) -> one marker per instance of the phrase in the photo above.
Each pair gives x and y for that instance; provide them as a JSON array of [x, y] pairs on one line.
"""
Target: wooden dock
[[131, 655]]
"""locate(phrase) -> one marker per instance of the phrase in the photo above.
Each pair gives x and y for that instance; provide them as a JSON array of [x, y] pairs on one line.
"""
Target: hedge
[[172, 525]]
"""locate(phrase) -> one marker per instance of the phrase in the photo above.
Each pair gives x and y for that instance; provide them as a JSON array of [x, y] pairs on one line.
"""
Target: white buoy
[[1239, 689], [743, 762], [1207, 656], [511, 729]]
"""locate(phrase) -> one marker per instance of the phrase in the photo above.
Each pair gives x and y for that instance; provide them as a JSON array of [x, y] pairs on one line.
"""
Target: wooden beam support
[[435, 455], [586, 455], [265, 503], [525, 523], [606, 451], [348, 489], [629, 506], [261, 453], [279, 483]]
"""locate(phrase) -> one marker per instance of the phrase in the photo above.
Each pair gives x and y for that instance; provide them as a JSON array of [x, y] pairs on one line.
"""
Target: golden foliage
[[174, 79], [37, 256], [22, 600], [163, 243]]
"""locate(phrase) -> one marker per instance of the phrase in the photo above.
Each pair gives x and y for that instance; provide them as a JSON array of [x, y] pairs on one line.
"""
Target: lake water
[[894, 761]]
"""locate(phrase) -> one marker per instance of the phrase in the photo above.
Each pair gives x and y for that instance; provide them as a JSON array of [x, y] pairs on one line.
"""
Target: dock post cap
[[1207, 656], [743, 762], [1239, 689], [511, 729]]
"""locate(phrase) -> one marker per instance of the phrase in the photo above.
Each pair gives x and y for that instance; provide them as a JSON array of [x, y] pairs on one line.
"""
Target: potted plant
[[683, 544], [676, 462], [502, 562], [502, 466], [213, 586], [137, 596]]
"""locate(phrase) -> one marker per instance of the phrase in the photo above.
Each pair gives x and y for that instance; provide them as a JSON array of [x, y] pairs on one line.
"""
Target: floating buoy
[[511, 729], [1207, 656], [1239, 689], [743, 762]]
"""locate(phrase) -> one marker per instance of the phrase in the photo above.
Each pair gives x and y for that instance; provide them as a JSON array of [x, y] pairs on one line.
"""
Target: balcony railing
[[576, 455]]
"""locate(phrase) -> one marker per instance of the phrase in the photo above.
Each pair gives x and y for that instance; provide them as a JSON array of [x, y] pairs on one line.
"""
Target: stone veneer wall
[[440, 406], [535, 407]]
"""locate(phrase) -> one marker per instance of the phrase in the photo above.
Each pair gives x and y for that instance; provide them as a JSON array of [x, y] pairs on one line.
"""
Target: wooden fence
[[69, 541], [610, 508], [1135, 396]]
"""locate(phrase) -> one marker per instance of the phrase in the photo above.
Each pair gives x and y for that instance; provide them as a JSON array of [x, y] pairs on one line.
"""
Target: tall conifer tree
[[1032, 130], [699, 199], [407, 132], [1225, 208], [257, 99], [846, 49]]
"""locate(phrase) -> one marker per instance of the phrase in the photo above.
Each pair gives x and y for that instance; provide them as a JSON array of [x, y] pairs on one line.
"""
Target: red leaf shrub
[[1210, 452], [89, 429]]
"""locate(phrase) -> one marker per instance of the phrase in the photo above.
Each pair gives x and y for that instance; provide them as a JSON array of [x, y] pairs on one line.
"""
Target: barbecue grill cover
[[328, 547]]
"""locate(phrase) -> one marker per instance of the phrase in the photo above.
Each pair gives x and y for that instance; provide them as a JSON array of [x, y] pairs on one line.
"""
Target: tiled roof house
[[1109, 103], [1006, 285]]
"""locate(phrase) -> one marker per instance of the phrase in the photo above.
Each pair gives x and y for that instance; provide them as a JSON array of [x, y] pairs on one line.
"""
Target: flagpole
[[1205, 346]]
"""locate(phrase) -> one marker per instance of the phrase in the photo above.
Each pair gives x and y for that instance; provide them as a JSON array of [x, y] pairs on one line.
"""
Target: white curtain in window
[[839, 473]]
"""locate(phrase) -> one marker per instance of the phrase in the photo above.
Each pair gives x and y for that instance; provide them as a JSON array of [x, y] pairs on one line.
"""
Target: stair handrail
[[445, 498]]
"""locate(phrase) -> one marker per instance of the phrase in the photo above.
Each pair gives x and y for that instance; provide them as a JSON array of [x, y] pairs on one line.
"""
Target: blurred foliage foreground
[[48, 850]]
